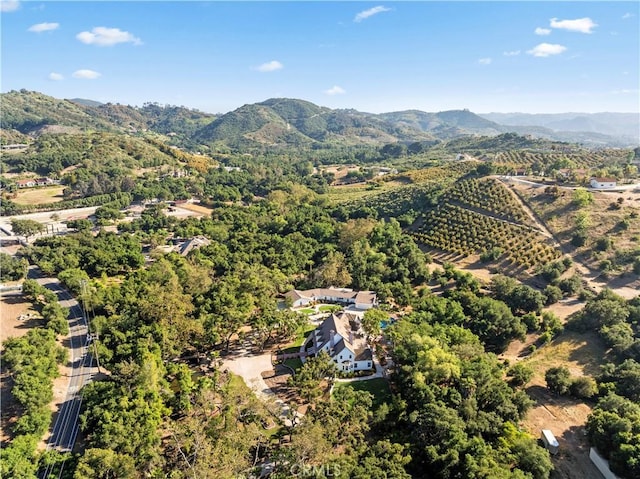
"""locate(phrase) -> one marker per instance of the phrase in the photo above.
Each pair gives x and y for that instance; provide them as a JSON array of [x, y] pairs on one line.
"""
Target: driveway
[[250, 367]]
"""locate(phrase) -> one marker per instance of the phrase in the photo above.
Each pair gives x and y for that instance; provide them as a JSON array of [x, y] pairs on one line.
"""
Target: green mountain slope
[[28, 111], [279, 121], [34, 113]]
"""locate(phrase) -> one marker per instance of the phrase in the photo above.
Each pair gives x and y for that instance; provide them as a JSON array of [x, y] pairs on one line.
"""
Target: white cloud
[[582, 25], [542, 31], [627, 15], [106, 37], [335, 90], [484, 61], [86, 74], [43, 27], [512, 53], [271, 66], [363, 15], [546, 50], [55, 76], [9, 5]]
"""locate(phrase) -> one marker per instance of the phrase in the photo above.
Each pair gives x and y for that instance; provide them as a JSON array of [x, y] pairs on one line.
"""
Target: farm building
[[603, 182]]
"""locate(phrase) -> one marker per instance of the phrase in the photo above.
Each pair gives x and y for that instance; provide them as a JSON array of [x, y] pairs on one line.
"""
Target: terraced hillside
[[479, 216]]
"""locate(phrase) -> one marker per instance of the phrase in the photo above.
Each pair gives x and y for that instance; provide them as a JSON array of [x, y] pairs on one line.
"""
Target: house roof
[[604, 179], [368, 297], [192, 243], [294, 295], [352, 336]]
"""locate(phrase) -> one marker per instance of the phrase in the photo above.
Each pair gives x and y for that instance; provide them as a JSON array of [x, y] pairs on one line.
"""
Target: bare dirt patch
[[565, 417], [38, 196], [12, 306], [196, 208]]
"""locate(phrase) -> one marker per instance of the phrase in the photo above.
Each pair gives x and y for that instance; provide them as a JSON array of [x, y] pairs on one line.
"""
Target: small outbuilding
[[550, 441], [603, 182]]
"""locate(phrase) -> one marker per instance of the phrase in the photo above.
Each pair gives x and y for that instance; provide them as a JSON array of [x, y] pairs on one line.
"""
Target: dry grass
[[39, 196], [582, 354], [604, 220]]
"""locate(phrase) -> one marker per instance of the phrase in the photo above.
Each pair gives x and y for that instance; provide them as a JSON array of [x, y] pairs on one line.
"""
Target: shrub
[[520, 374], [583, 387], [558, 380], [553, 294]]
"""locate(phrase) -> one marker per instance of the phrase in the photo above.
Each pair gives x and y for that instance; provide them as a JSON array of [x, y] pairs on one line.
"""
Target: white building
[[603, 182], [342, 338], [360, 299]]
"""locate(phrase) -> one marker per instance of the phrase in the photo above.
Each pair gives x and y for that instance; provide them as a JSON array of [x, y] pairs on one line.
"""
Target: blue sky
[[539, 57]]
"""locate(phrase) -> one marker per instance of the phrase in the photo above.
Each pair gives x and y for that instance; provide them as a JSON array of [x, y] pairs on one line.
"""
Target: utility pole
[[85, 311]]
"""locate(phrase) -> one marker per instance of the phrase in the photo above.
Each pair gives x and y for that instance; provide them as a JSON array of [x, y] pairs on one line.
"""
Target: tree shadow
[[544, 397], [31, 323], [591, 354], [17, 298]]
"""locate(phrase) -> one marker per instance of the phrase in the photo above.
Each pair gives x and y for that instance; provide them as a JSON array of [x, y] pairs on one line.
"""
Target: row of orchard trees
[[465, 232]]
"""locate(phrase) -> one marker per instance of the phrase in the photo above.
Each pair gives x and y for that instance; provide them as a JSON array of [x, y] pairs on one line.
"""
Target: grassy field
[[378, 387], [39, 196], [582, 354], [613, 215]]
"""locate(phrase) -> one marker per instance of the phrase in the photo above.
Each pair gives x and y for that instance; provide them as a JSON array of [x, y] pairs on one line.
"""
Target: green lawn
[[378, 387], [294, 363], [307, 311], [328, 307], [301, 335]]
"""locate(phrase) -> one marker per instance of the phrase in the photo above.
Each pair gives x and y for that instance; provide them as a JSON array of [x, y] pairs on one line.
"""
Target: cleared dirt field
[[203, 210], [12, 305], [39, 196]]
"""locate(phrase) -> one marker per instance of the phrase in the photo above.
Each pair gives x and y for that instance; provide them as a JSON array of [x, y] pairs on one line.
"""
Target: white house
[[342, 337], [360, 299], [603, 182]]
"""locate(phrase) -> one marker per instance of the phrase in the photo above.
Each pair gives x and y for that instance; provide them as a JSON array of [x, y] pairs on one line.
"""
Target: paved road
[[65, 427]]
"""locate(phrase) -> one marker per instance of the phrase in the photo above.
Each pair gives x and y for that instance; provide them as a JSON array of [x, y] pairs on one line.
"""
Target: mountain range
[[292, 122]]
